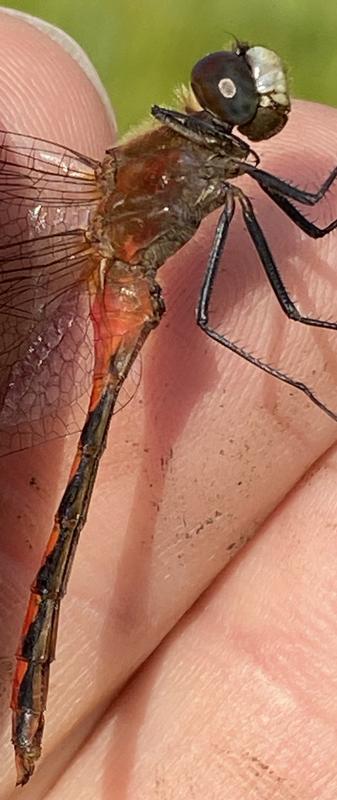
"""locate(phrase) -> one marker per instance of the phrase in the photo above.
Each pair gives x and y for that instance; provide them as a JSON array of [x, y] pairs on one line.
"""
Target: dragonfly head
[[244, 87]]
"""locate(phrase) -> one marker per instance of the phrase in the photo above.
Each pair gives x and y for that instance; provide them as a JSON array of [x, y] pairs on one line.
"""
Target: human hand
[[239, 698]]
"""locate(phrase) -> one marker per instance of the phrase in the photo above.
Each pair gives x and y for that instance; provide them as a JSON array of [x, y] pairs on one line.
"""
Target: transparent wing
[[47, 196]]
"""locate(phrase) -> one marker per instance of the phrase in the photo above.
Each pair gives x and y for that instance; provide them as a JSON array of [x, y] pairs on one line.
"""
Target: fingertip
[[44, 90]]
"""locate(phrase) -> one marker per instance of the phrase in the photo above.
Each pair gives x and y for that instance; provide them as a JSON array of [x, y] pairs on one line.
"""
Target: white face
[[269, 76]]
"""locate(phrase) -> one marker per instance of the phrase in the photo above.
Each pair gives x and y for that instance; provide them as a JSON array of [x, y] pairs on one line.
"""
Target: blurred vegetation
[[142, 50]]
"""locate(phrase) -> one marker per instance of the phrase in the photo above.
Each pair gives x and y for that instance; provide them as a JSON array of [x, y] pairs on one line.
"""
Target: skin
[[239, 700]]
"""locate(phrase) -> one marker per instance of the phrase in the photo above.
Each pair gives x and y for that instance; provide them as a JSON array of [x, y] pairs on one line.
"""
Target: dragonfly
[[78, 266]]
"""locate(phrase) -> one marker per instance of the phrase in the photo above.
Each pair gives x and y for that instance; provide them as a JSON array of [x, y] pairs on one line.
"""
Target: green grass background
[[143, 48]]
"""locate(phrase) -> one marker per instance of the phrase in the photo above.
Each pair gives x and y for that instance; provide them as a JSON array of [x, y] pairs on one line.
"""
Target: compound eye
[[223, 85]]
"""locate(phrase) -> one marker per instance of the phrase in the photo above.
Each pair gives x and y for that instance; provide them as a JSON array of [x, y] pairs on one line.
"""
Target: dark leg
[[214, 259], [205, 299], [302, 222], [268, 181], [200, 127], [271, 270]]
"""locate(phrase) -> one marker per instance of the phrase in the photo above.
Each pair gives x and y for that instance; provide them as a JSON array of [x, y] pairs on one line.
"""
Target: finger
[[240, 699], [132, 551], [51, 90]]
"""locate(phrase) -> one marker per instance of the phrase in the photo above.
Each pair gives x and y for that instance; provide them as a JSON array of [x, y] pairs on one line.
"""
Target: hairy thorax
[[156, 189]]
